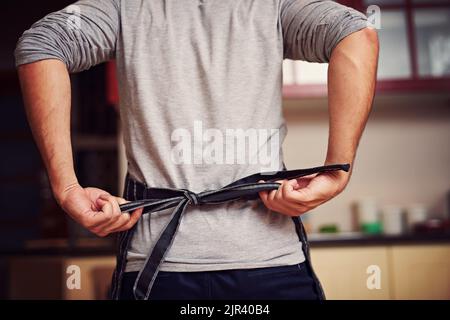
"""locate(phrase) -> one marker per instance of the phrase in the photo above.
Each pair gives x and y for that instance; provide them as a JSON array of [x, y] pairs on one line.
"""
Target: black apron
[[157, 199]]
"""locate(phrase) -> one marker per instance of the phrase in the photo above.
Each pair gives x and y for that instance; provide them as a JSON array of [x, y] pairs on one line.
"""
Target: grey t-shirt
[[200, 104]]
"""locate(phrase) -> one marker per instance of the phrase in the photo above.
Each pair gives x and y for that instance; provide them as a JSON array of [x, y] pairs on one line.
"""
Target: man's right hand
[[97, 210], [46, 91]]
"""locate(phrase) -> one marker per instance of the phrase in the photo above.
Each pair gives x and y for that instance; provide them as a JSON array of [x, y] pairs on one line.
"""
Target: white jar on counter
[[367, 210], [393, 222], [367, 219]]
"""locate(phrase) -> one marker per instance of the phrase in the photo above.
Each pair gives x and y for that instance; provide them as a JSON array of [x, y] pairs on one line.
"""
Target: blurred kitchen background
[[388, 233]]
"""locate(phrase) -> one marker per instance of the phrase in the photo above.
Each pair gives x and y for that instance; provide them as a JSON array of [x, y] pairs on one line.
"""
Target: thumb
[[99, 203], [121, 200], [318, 189], [135, 215], [294, 184], [102, 200]]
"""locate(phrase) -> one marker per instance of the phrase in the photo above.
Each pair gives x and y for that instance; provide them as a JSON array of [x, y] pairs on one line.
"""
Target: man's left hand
[[297, 196]]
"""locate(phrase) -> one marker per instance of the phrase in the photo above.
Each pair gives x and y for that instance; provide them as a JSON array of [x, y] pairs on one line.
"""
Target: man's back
[[200, 103]]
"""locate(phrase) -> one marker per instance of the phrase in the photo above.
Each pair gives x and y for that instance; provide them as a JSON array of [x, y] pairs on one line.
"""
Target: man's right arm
[[55, 45], [46, 94]]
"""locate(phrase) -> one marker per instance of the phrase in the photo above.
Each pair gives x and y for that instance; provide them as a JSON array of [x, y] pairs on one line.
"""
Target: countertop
[[359, 239], [63, 247], [104, 247]]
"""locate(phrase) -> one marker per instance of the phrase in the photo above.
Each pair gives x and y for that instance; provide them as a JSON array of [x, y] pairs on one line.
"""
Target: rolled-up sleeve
[[311, 29], [81, 35]]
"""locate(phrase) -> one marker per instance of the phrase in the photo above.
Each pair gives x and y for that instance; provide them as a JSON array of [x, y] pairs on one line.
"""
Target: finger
[[286, 195], [296, 197], [288, 201], [263, 194], [134, 218], [272, 200], [309, 176], [264, 198], [287, 188], [268, 199], [114, 202], [108, 216], [279, 192], [271, 196], [118, 219], [285, 209], [127, 220], [303, 195], [123, 220], [303, 182], [94, 194], [312, 196], [116, 213], [294, 183], [104, 214], [279, 196]]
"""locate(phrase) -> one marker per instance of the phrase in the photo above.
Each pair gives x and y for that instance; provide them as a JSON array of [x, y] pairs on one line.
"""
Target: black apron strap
[[157, 199]]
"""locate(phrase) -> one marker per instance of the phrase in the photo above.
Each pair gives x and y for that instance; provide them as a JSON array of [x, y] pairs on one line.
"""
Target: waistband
[[157, 199]]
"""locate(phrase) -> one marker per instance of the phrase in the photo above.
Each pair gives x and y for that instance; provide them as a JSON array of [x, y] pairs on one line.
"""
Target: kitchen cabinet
[[394, 59], [414, 45], [413, 269], [41, 277], [343, 271], [420, 271], [414, 56], [432, 29]]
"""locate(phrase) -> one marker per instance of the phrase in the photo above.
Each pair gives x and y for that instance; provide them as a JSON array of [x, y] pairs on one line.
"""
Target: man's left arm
[[351, 85]]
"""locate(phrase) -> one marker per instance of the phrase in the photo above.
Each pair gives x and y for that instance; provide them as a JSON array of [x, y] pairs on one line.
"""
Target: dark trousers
[[273, 283]]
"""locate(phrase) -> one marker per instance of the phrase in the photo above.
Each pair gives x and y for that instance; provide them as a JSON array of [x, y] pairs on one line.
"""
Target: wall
[[403, 158]]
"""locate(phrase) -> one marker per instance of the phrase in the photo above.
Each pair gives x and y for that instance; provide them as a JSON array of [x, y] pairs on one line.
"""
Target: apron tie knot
[[193, 197]]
